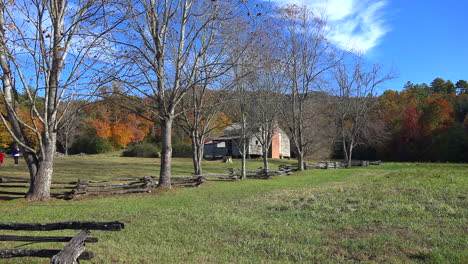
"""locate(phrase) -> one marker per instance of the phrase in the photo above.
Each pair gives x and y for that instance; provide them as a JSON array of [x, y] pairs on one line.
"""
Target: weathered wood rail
[[330, 165], [19, 186], [74, 250], [235, 174], [342, 165], [260, 173], [113, 186], [293, 167], [218, 176], [74, 189]]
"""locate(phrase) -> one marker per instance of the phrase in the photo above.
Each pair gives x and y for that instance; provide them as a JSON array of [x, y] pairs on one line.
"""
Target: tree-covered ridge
[[426, 122], [421, 123]]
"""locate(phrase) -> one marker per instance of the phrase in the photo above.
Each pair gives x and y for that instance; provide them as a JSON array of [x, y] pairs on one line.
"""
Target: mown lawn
[[393, 213]]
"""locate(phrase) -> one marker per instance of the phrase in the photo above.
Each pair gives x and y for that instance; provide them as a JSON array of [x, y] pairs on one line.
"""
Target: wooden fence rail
[[71, 253], [74, 189], [293, 167], [342, 164]]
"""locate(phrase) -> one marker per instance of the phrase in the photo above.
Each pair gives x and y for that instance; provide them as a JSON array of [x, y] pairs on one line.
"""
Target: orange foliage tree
[[119, 125], [5, 138]]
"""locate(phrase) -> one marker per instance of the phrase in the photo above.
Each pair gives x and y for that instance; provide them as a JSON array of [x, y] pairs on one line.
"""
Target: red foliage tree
[[410, 127]]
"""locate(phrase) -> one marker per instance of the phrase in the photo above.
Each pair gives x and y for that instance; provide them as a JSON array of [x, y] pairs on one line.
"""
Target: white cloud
[[354, 24]]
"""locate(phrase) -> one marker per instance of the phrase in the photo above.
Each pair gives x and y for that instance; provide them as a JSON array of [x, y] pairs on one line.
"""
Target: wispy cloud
[[354, 24]]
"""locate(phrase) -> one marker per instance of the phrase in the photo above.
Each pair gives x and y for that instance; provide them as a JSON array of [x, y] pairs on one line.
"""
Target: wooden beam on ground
[[72, 250], [43, 238], [89, 225], [39, 253]]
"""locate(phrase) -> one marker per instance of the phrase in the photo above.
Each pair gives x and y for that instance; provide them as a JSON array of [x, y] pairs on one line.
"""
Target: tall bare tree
[[46, 48], [266, 106], [267, 81], [165, 46], [355, 104], [307, 55], [69, 125], [240, 113], [201, 108]]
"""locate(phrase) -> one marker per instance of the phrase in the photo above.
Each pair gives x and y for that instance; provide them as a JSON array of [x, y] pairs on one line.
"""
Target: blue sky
[[421, 39]]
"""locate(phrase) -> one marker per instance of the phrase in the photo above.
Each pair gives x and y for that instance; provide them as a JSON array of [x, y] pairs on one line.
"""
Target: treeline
[[163, 61], [109, 123], [423, 123]]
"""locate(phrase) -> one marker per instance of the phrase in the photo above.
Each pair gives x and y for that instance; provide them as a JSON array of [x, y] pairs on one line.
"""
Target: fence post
[[72, 250]]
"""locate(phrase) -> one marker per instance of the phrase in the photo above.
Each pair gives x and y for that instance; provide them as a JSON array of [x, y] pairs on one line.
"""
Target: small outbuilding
[[229, 144]]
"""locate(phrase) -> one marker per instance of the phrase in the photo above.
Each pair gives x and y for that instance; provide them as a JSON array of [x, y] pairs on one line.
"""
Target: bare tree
[[319, 126], [70, 124], [46, 48], [165, 46], [200, 109], [240, 113], [307, 55], [267, 81], [355, 104], [243, 76], [265, 108]]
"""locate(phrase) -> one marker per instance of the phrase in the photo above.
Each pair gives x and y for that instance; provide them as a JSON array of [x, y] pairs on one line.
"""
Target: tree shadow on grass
[[9, 198]]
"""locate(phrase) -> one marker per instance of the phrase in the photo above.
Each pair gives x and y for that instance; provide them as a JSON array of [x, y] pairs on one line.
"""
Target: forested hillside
[[421, 123]]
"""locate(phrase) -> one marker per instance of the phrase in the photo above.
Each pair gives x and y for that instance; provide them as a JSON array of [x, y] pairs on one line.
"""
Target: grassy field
[[393, 213]]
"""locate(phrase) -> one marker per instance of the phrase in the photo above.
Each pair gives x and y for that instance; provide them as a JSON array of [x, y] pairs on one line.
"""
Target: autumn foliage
[[116, 124], [425, 124], [6, 141]]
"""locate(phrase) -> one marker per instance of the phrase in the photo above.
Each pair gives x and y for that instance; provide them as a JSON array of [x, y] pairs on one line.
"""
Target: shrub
[[142, 149], [102, 145], [89, 145], [82, 144], [181, 150]]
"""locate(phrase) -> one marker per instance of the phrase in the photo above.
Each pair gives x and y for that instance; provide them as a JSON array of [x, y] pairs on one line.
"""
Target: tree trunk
[[67, 143], [197, 154], [243, 166], [300, 161], [300, 146], [349, 155], [166, 152], [345, 150], [243, 146], [40, 183], [265, 158], [33, 166], [244, 156]]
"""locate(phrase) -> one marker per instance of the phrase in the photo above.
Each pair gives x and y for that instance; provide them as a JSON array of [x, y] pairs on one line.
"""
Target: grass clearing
[[394, 213]]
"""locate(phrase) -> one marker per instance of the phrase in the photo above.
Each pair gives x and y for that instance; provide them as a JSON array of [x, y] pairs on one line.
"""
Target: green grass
[[393, 213]]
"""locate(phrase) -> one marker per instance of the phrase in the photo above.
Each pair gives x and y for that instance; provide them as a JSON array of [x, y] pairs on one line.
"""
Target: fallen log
[[72, 250], [43, 238], [40, 253], [89, 225]]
